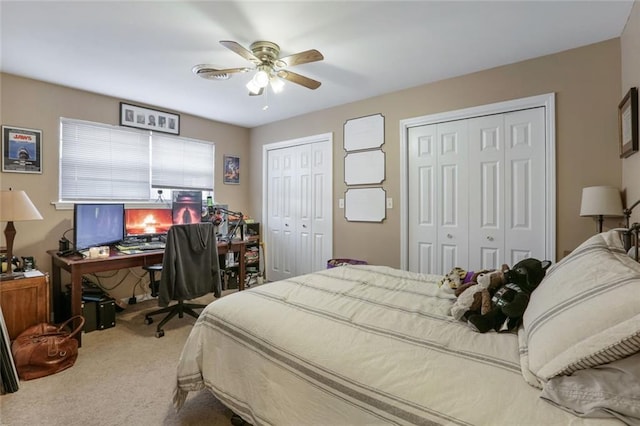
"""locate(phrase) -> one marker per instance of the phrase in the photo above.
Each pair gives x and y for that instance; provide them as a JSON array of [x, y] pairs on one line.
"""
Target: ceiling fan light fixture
[[253, 87], [276, 84], [261, 79]]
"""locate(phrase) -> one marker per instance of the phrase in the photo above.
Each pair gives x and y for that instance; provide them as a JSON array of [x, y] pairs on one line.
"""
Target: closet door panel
[[452, 195], [321, 196], [275, 213], [486, 192], [303, 201], [422, 203], [525, 185]]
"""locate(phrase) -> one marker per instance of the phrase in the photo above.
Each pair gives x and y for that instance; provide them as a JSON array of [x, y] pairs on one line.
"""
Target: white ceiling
[[143, 51]]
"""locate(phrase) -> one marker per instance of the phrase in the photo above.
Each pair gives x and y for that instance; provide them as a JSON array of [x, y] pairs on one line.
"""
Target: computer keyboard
[[153, 245]]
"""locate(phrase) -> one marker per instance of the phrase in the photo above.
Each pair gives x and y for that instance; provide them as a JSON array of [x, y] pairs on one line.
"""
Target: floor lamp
[[15, 206], [601, 201]]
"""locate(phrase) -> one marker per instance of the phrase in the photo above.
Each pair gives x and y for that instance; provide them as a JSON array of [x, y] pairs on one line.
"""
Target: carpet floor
[[124, 375]]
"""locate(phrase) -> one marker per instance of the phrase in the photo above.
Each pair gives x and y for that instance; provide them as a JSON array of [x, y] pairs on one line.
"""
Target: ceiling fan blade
[[299, 79], [301, 58], [237, 48], [257, 94], [207, 71]]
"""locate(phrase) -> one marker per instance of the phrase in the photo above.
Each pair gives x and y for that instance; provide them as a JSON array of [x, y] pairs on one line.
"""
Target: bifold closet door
[[477, 192], [299, 210], [438, 237], [507, 188]]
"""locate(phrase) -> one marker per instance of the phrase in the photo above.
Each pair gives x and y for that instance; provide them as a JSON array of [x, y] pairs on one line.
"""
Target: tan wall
[[630, 47], [587, 86], [39, 105], [587, 82]]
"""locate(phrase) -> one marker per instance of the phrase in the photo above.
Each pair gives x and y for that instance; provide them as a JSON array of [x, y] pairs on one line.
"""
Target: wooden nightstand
[[25, 302]]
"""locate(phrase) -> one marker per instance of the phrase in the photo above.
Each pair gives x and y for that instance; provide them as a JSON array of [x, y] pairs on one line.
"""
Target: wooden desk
[[77, 266]]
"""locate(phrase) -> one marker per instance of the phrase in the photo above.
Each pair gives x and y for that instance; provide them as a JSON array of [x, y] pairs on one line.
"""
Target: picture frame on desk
[[21, 150], [149, 119], [628, 123]]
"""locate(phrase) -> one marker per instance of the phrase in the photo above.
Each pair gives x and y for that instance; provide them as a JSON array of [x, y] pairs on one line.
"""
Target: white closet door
[[452, 195], [486, 192], [299, 210], [525, 185], [477, 192], [422, 202]]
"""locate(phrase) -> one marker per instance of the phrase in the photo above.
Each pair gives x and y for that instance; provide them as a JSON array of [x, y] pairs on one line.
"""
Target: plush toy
[[457, 278], [475, 297], [510, 301], [453, 280]]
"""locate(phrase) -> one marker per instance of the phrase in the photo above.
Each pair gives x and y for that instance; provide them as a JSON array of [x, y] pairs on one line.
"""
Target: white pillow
[[586, 311]]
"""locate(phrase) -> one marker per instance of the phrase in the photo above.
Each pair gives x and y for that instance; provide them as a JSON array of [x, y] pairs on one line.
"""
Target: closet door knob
[[304, 226], [449, 236], [490, 238]]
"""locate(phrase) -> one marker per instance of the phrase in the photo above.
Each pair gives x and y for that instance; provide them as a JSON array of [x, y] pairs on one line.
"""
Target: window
[[111, 163]]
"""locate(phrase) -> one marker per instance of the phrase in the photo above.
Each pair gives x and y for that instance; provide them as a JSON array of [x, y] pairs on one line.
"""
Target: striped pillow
[[586, 311]]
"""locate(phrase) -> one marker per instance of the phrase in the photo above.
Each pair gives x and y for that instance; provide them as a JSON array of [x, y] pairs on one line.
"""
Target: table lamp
[[601, 201], [15, 206]]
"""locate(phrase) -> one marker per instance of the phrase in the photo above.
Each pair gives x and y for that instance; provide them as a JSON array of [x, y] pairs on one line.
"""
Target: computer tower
[[106, 313], [90, 314]]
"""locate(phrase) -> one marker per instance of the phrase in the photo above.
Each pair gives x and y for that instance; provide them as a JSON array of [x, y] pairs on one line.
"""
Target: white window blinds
[[102, 162], [181, 163]]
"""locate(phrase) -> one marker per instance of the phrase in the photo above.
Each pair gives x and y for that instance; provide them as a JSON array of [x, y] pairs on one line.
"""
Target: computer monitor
[[147, 222], [97, 225]]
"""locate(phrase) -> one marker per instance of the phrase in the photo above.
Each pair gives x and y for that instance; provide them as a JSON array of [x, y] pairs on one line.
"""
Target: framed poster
[[628, 123], [149, 119], [231, 170], [21, 150]]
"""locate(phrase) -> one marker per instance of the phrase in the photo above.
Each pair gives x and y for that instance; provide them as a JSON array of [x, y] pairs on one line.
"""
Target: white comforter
[[357, 345]]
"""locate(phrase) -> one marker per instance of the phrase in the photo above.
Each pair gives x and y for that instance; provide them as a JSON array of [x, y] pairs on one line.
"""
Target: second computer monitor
[[154, 221]]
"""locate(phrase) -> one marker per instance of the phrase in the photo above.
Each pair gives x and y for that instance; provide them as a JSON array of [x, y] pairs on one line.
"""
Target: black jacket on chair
[[190, 266]]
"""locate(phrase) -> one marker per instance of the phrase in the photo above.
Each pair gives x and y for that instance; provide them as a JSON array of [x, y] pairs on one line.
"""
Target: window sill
[[66, 205]]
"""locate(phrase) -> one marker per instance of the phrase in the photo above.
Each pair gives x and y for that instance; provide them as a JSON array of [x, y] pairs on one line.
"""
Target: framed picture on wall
[[231, 169], [21, 150], [149, 119], [628, 123]]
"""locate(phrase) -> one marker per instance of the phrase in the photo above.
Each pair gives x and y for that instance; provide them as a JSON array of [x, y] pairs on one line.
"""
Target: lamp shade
[[16, 206], [601, 201]]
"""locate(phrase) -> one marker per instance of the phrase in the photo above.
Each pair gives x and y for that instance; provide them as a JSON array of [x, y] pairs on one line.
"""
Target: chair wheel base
[[148, 320], [159, 333]]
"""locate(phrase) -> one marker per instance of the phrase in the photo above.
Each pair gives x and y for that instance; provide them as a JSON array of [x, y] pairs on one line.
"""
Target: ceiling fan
[[269, 67]]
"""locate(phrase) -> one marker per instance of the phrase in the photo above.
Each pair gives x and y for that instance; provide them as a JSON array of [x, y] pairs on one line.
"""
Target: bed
[[371, 344]]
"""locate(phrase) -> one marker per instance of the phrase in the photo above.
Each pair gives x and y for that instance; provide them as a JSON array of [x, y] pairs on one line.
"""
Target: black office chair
[[189, 270]]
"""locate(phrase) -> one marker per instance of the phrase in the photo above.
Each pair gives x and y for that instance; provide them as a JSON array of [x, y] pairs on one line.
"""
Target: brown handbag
[[46, 349]]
